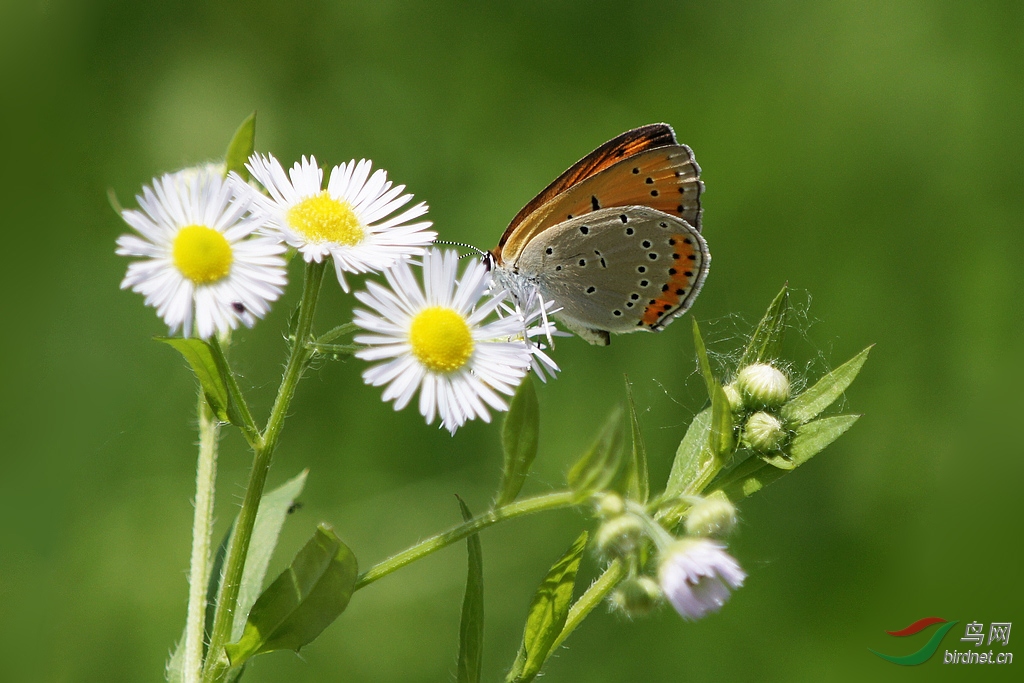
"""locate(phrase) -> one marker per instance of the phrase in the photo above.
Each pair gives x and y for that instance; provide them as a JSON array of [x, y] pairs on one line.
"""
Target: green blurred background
[[869, 153]]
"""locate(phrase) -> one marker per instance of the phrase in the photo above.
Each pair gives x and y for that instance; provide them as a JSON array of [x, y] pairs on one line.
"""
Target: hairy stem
[[217, 663], [521, 508], [202, 522]]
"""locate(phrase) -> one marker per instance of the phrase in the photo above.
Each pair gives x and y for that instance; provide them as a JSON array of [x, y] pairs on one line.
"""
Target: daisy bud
[[636, 597], [713, 516], [762, 386], [732, 393], [764, 433], [610, 505], [697, 576], [619, 536]]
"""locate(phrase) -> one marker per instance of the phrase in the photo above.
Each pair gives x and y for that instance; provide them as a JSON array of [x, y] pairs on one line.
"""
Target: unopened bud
[[610, 505], [713, 516], [732, 393], [762, 386], [636, 597], [619, 536], [764, 433]]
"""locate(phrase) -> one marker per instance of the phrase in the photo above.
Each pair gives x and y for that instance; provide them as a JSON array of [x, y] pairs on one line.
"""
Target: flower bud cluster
[[693, 573], [757, 394]]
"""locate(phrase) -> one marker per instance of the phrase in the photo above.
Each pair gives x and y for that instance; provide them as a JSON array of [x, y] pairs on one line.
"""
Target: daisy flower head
[[697, 576], [442, 340], [201, 267], [351, 221]]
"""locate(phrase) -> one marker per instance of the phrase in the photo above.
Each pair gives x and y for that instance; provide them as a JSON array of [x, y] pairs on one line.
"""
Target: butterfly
[[615, 240]]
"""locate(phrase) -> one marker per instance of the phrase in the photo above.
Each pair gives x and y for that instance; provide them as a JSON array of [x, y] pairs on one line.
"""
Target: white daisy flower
[[437, 339], [349, 221], [697, 576], [201, 268]]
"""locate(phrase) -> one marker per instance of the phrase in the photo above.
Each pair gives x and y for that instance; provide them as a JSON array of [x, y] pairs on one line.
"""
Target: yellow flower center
[[440, 339], [202, 254], [325, 219]]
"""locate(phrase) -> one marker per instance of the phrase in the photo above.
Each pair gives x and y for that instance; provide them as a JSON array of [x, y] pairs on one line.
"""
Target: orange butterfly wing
[[641, 167]]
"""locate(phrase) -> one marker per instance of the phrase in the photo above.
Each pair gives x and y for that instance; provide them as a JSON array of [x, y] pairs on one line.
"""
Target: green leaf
[[471, 628], [211, 373], [693, 457], [273, 510], [811, 402], [766, 342], [753, 474], [548, 613], [520, 434], [241, 147], [746, 478], [637, 480], [721, 440], [702, 358], [302, 601], [599, 465], [812, 438]]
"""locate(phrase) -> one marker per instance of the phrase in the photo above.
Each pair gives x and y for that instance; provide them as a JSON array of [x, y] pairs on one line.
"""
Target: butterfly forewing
[[618, 269], [666, 178], [620, 147]]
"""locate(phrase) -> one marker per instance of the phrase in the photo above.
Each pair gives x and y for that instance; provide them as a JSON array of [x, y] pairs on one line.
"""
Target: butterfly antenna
[[478, 250]]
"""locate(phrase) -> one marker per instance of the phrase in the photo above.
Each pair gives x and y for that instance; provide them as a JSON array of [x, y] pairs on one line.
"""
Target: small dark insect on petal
[[238, 306]]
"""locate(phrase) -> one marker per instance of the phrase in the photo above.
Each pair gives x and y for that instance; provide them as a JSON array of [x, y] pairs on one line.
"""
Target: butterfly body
[[615, 240]]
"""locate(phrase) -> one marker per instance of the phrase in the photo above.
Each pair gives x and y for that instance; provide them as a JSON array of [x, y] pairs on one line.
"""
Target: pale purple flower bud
[[697, 576]]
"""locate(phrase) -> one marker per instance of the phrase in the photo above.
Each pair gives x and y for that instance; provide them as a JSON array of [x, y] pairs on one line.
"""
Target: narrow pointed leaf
[[811, 402], [702, 358], [754, 474], [471, 628], [693, 457], [637, 480], [270, 518], [241, 147], [721, 439], [548, 612], [520, 434], [766, 342], [813, 437], [211, 374], [302, 601], [599, 465]]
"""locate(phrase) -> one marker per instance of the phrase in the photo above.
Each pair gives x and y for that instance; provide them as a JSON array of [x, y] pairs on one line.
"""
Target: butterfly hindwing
[[618, 269]]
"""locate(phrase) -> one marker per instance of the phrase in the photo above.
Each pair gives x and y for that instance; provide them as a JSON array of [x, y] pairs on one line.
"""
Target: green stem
[[202, 522], [527, 506], [590, 599], [217, 663], [334, 349]]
